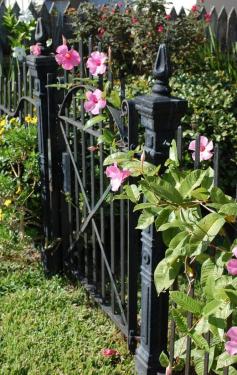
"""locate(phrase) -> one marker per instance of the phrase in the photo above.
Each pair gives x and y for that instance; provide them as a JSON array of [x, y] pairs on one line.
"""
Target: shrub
[[19, 179], [212, 111], [135, 31]]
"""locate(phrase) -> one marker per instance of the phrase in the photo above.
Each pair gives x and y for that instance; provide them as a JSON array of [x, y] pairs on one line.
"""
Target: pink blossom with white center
[[96, 63], [95, 102], [68, 59], [117, 176], [205, 148], [36, 49], [231, 346], [231, 266]]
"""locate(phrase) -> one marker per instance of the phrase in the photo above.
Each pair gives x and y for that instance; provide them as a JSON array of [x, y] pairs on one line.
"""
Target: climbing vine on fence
[[192, 216]]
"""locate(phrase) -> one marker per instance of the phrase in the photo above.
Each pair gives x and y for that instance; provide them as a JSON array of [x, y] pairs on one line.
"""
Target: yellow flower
[[28, 118], [18, 190], [2, 123], [1, 131], [31, 120], [7, 202], [1, 215], [34, 120]]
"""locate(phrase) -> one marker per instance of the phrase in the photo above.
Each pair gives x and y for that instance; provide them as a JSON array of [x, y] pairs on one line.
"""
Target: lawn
[[49, 327]]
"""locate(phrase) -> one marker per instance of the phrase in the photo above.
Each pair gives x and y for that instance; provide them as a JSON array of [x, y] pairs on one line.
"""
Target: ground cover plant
[[49, 326]]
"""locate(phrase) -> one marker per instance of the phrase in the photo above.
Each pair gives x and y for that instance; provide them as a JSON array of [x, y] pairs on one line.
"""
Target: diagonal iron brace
[[94, 226]]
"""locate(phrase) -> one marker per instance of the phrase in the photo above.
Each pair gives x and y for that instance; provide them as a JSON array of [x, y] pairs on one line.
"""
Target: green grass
[[49, 327]]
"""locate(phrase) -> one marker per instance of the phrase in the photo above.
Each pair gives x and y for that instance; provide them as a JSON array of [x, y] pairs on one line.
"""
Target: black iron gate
[[100, 243]]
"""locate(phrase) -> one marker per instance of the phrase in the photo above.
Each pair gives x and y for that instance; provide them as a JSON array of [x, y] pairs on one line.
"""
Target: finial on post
[[41, 36], [162, 72]]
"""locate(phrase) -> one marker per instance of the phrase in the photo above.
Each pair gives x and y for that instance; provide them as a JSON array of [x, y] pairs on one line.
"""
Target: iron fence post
[[160, 115], [39, 68]]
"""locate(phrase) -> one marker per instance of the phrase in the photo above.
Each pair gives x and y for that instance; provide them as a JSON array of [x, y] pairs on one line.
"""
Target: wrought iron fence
[[87, 235]]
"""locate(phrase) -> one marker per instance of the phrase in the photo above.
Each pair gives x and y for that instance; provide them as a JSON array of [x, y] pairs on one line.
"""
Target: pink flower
[[96, 63], [234, 251], [67, 58], [168, 371], [160, 29], [168, 17], [231, 346], [109, 352], [36, 49], [231, 266], [117, 176], [205, 148], [92, 148], [120, 4], [134, 20], [207, 17], [194, 8], [94, 102], [101, 32]]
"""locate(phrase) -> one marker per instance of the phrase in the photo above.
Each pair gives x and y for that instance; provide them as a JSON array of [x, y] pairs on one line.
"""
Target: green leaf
[[162, 217], [133, 193], [191, 182], [172, 224], [164, 360], [229, 209], [165, 274], [199, 363], [217, 322], [201, 194], [208, 179], [145, 219], [202, 326], [167, 191], [180, 321], [180, 344], [205, 232], [118, 157], [168, 234], [107, 137], [187, 303], [232, 371], [93, 121], [200, 341], [211, 307], [217, 196], [114, 99], [225, 360], [208, 269], [142, 206], [210, 286]]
